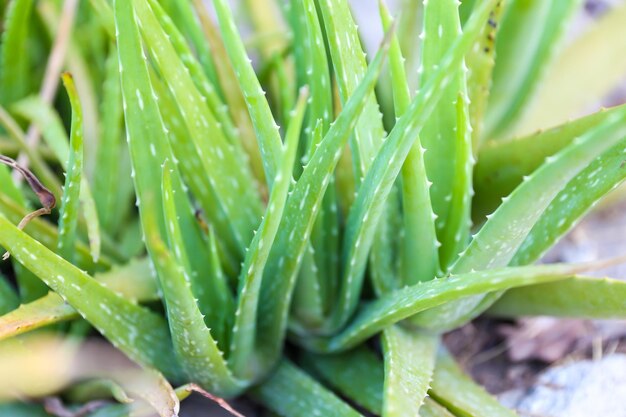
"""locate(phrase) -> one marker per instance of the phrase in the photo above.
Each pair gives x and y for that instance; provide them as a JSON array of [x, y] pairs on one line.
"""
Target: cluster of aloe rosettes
[[322, 234]]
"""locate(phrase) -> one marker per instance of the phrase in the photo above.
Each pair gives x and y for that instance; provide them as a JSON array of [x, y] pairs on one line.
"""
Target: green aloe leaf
[[409, 363], [499, 239], [182, 14], [191, 251], [349, 63], [368, 207], [420, 257], [109, 152], [322, 256], [431, 408], [406, 302], [233, 96], [9, 300], [307, 306], [357, 374], [50, 123], [445, 134], [244, 330], [68, 213], [204, 85], [146, 134], [410, 22], [218, 159], [348, 60], [529, 34], [316, 71], [480, 61], [595, 71], [48, 235], [502, 165], [134, 281], [290, 392], [456, 232], [276, 72], [217, 278], [459, 394], [194, 346], [200, 185], [267, 130], [300, 213], [585, 297], [138, 332], [14, 60], [573, 201]]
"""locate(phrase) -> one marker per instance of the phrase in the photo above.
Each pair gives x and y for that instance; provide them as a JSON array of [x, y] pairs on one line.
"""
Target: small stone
[[580, 389]]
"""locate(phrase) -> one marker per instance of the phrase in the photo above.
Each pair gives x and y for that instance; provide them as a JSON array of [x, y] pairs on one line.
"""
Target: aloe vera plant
[[288, 218]]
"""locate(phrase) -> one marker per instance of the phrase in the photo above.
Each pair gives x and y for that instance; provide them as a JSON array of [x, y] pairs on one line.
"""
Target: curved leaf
[[502, 165], [504, 232], [133, 281], [406, 302], [137, 331], [584, 297]]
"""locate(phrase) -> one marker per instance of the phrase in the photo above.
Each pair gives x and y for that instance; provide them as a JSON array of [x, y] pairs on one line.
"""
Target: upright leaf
[[108, 154], [218, 158], [529, 35], [368, 207], [409, 363], [300, 213], [445, 134], [14, 72], [268, 136], [68, 213], [420, 258], [244, 331], [194, 346]]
